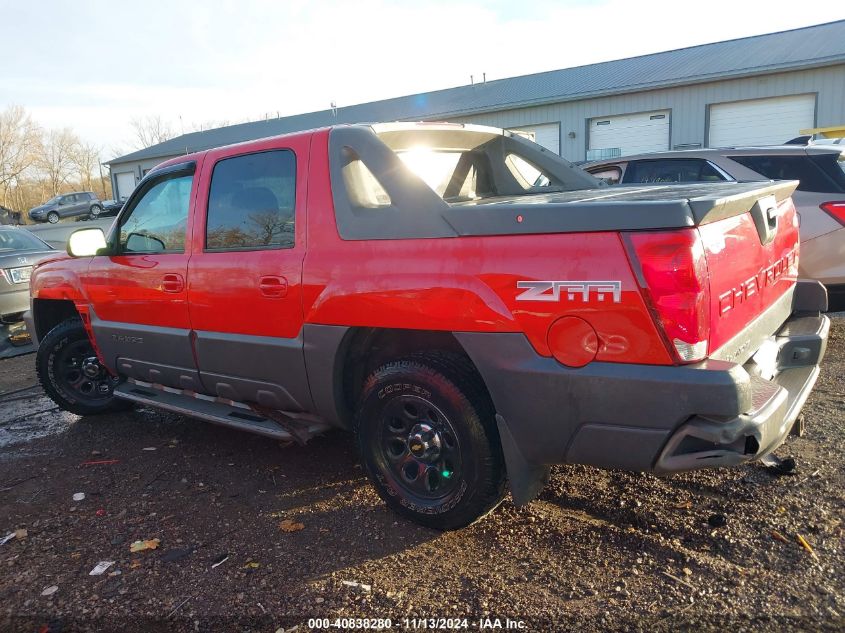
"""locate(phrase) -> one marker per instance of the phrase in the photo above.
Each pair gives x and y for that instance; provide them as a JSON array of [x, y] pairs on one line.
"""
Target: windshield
[[20, 240], [53, 200]]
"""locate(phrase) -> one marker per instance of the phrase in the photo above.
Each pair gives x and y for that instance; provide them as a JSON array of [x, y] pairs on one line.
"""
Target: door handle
[[273, 287], [172, 282]]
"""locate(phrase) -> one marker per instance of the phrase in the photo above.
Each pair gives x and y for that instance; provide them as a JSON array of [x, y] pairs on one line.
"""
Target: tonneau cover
[[621, 208]]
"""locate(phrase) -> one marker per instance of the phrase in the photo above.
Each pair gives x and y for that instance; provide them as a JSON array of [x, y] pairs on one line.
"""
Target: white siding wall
[[547, 135], [688, 105]]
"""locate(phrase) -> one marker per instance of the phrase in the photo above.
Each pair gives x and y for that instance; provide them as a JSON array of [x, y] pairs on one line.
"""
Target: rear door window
[[795, 167], [672, 170], [252, 201]]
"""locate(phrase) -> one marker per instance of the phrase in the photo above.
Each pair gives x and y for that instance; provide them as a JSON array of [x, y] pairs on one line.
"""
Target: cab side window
[[252, 201], [156, 224]]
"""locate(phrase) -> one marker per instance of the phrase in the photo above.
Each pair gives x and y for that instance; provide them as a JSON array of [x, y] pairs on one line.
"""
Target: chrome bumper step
[[278, 424]]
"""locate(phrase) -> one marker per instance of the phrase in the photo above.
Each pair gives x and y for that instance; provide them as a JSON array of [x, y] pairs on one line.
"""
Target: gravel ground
[[599, 550]]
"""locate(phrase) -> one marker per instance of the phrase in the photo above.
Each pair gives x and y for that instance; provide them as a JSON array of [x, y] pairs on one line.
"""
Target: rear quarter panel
[[468, 284]]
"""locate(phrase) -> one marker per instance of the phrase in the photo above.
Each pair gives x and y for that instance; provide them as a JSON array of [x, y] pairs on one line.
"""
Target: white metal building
[[758, 90]]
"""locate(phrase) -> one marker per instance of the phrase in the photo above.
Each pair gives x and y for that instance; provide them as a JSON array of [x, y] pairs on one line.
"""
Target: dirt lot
[[599, 550]]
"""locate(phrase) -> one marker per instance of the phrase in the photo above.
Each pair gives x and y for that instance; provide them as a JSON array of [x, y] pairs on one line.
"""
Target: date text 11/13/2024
[[485, 623]]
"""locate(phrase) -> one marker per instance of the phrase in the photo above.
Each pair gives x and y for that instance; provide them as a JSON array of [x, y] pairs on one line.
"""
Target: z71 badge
[[551, 290]]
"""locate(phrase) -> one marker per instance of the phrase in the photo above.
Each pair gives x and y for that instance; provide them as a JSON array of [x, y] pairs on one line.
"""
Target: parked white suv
[[820, 198]]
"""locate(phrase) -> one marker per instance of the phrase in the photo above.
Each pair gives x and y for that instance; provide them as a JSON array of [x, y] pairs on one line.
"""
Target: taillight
[[677, 288], [836, 210]]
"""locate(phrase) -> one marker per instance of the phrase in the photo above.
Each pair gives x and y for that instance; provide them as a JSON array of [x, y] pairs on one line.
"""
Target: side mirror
[[143, 243], [86, 242]]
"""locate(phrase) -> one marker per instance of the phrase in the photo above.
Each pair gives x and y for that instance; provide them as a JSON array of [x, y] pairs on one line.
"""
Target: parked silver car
[[20, 250], [66, 205], [820, 198]]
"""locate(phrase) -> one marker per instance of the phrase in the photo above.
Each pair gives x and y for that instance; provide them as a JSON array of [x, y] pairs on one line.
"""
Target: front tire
[[70, 373], [95, 211], [428, 441], [52, 217]]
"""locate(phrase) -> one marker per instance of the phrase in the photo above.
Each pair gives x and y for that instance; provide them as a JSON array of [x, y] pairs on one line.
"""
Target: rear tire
[[68, 370], [428, 441]]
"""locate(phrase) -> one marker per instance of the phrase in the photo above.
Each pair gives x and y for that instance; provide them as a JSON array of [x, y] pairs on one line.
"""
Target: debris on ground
[[8, 538], [142, 546], [291, 526], [100, 462], [779, 537], [249, 565], [102, 566], [78, 496], [778, 466], [179, 606], [148, 448], [803, 542], [358, 585], [49, 591], [717, 520], [220, 560], [679, 580]]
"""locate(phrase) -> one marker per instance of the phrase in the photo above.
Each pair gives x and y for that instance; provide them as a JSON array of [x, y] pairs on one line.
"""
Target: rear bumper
[[652, 418], [776, 403]]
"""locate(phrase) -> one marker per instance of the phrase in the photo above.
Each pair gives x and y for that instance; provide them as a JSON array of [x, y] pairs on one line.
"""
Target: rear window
[[671, 170], [795, 167], [20, 240]]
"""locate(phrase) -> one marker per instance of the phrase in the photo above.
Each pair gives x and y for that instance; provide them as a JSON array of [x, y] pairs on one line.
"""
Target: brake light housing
[[835, 209], [672, 270]]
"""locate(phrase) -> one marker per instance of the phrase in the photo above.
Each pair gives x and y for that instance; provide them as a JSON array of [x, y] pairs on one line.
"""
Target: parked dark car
[[67, 205], [8, 216], [111, 208]]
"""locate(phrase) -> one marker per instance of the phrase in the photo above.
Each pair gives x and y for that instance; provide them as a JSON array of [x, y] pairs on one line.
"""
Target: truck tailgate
[[752, 261]]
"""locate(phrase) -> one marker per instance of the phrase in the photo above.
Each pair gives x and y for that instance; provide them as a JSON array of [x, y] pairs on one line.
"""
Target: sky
[[95, 65]]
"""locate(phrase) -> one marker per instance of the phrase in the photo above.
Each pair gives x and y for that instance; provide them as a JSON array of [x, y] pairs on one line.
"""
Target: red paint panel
[[747, 277]]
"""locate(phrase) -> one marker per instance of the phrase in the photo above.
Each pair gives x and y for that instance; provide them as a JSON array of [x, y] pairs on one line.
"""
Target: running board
[[224, 412]]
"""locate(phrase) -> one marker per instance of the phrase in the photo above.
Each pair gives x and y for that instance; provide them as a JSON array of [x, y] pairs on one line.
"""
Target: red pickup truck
[[470, 305]]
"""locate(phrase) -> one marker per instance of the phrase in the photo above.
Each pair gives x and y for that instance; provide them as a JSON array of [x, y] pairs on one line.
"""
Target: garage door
[[125, 185], [625, 134], [547, 135], [760, 121]]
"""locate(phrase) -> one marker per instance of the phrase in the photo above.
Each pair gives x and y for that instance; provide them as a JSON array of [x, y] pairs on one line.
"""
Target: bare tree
[[86, 159], [20, 140], [56, 159], [150, 130]]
